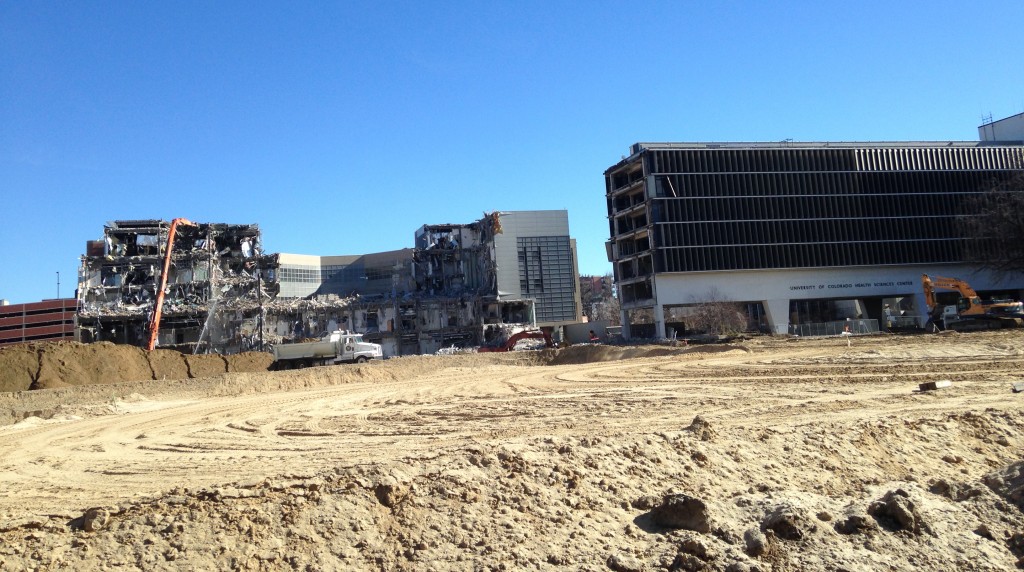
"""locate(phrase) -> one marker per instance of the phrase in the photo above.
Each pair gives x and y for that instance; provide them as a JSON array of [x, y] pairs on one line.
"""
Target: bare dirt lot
[[767, 454]]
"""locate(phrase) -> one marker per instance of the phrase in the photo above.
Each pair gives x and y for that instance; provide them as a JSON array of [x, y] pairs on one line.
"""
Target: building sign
[[850, 286]]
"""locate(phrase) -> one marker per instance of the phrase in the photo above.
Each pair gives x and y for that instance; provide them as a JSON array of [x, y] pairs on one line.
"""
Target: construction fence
[[836, 328]]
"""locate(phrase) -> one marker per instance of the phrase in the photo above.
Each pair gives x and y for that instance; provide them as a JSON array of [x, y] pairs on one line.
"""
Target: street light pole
[[259, 296]]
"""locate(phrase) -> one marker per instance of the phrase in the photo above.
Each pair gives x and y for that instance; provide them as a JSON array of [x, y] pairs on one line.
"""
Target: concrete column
[[659, 321], [777, 312], [624, 320], [921, 308]]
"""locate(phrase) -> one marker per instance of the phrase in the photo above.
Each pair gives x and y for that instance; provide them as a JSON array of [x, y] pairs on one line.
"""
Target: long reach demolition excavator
[[154, 322]]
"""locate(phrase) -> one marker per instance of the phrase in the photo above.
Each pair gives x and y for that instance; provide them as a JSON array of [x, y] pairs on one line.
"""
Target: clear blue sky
[[341, 127]]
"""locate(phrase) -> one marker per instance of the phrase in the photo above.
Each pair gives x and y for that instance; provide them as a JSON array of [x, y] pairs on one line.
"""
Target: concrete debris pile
[[296, 319]]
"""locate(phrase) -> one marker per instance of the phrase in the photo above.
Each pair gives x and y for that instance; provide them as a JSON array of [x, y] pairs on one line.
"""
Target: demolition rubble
[[215, 291], [225, 295], [451, 296]]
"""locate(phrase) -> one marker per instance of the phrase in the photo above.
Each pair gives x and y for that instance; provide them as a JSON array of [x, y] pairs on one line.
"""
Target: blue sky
[[341, 127]]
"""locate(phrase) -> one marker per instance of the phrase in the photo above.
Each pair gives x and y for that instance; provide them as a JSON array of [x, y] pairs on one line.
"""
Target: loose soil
[[766, 454], [63, 364]]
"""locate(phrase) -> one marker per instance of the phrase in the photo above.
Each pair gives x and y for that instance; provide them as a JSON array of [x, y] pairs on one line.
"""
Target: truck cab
[[352, 348]]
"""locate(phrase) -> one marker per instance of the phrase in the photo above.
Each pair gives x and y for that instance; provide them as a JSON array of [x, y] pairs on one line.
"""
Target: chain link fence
[[837, 328]]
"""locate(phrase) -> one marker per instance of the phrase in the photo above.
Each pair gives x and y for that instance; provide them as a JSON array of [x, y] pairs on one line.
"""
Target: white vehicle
[[339, 346]]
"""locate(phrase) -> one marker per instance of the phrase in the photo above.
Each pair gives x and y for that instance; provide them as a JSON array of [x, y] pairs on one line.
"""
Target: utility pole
[[259, 296]]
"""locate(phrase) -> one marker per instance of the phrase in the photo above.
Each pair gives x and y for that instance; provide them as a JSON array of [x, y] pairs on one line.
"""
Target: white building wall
[[1009, 129], [301, 289], [294, 289], [775, 288], [522, 223]]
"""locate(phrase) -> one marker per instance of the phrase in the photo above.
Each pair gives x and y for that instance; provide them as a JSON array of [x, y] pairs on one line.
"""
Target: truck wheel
[[361, 359]]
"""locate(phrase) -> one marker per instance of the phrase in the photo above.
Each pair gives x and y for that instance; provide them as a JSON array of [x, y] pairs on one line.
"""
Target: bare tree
[[716, 315], [993, 227]]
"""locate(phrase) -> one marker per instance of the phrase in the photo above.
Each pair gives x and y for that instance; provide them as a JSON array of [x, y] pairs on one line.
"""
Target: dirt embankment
[[81, 377], [767, 455], [62, 364], [54, 365]]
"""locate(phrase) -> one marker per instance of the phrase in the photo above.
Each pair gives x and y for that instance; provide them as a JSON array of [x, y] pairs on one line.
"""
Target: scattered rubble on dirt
[[767, 455]]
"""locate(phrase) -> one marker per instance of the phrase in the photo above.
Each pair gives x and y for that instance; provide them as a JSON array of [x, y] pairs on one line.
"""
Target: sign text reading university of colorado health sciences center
[[845, 286]]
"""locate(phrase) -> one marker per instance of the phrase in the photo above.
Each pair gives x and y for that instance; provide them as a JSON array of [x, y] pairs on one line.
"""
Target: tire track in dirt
[[232, 437], [207, 442]]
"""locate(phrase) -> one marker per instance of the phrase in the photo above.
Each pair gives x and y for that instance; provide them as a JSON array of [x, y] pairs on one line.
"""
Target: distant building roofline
[[812, 144], [991, 121], [637, 148]]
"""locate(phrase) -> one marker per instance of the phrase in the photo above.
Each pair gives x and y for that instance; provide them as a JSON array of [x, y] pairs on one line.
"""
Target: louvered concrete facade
[[769, 223]]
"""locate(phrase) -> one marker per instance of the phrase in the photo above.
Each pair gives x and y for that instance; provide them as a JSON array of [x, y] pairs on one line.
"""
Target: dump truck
[[339, 346]]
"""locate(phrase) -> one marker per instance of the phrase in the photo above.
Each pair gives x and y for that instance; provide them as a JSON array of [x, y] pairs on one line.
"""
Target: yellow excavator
[[970, 313]]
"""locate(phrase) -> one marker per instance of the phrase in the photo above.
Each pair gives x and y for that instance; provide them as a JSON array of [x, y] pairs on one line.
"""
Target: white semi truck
[[339, 346]]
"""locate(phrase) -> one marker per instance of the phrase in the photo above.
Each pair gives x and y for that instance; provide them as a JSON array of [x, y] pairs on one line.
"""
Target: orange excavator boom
[[154, 323], [511, 343], [974, 304]]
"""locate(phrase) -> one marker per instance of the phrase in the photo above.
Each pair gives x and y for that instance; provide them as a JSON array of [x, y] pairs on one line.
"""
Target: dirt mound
[[19, 365], [592, 353], [630, 501], [55, 365], [811, 454], [249, 361], [168, 364], [67, 363], [206, 365]]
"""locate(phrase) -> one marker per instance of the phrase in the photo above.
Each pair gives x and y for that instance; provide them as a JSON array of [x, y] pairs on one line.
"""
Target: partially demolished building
[[476, 283], [462, 285], [327, 292], [218, 282]]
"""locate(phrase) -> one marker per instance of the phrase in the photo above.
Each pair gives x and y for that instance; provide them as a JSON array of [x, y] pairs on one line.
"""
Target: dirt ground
[[767, 454]]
